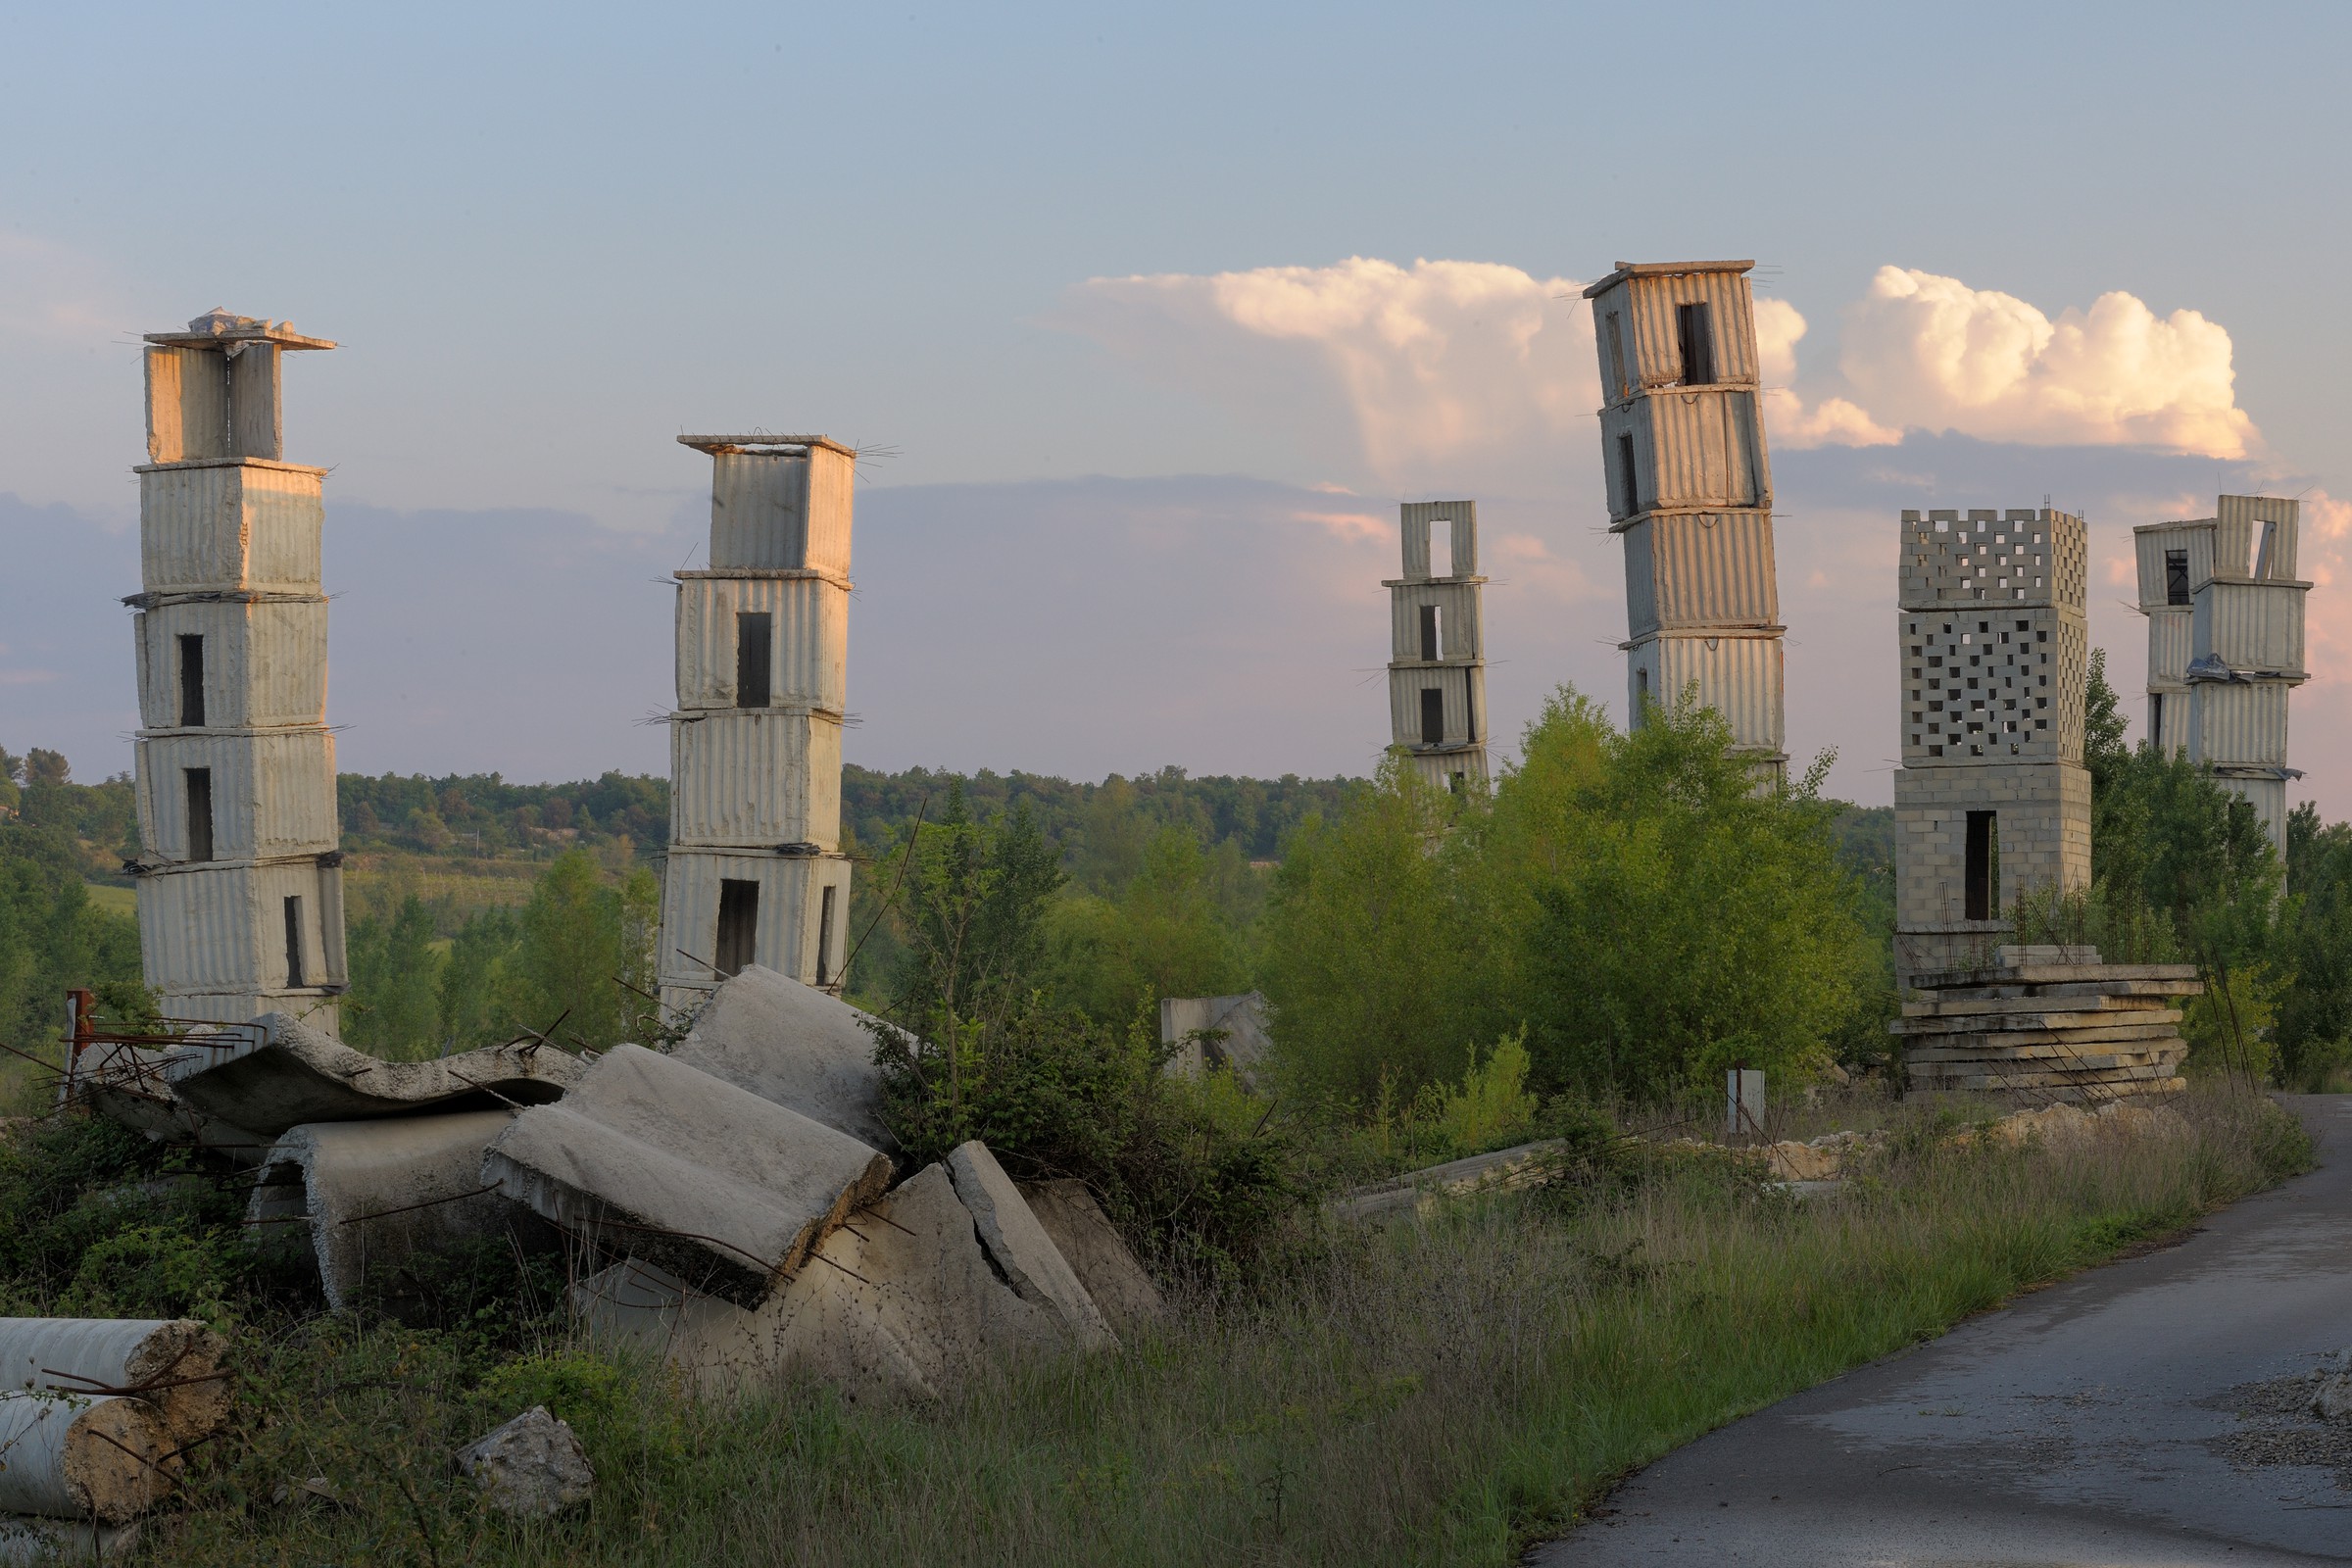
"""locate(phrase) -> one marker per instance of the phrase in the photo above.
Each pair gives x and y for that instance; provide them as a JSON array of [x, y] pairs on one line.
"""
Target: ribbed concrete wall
[[791, 913], [2152, 542], [2245, 522], [1459, 634], [810, 638], [273, 792], [782, 511], [2233, 723], [223, 929], [1740, 677], [1694, 447], [1455, 521], [265, 664], [229, 527], [1693, 569], [1650, 341], [2249, 626], [1464, 689], [2169, 631], [755, 776]]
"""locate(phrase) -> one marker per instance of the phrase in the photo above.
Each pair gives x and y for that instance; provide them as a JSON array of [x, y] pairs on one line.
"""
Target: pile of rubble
[[2052, 1022], [741, 1191]]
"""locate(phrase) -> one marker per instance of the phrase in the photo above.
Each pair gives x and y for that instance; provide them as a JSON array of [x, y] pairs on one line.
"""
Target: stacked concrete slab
[[756, 874], [2047, 1022], [1438, 652], [1992, 798], [1690, 486], [2224, 614], [240, 893]]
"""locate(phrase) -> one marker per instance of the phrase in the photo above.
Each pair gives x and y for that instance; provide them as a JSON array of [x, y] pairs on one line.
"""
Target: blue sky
[[552, 238]]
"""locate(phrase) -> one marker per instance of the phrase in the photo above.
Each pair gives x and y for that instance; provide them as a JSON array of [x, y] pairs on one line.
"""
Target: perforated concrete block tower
[[1992, 798], [240, 890], [1438, 644], [756, 872], [1682, 439], [2225, 616]]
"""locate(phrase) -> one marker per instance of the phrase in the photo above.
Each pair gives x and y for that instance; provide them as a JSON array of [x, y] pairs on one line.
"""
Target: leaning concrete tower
[[2225, 616], [1992, 798], [1438, 644], [756, 872], [240, 890], [1682, 437]]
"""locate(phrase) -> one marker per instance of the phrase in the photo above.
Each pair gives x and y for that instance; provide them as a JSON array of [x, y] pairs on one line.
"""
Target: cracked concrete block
[[533, 1467], [659, 1160], [901, 1302], [1115, 1282], [102, 1459], [280, 1073], [374, 1194], [1024, 1255], [795, 1045], [175, 1364]]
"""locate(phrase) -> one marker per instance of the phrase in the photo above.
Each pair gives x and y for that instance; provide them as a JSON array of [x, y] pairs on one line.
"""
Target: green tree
[[482, 993], [53, 939], [393, 1009], [1165, 935], [572, 953]]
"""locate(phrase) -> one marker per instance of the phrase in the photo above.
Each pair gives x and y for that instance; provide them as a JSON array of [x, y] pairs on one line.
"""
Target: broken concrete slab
[[278, 1074], [103, 1458], [661, 1161], [26, 1538], [903, 1303], [1115, 1281], [795, 1045], [128, 1084], [1023, 1253], [175, 1364], [374, 1194], [533, 1467]]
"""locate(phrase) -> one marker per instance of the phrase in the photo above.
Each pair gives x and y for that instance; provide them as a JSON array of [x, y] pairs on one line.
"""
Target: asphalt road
[[2095, 1422]]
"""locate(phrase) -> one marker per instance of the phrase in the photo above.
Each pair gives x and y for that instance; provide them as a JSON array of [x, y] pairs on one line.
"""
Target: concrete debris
[[373, 1195], [1502, 1171], [795, 1045], [127, 1084], [1117, 1283], [26, 1538], [103, 1458], [1208, 1032], [278, 1074], [1024, 1255], [315, 1490], [533, 1467], [2051, 1023], [661, 1161], [175, 1365], [903, 1303], [2334, 1400]]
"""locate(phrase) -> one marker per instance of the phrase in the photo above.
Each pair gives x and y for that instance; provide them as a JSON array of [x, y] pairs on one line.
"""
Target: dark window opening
[[2155, 718], [1626, 475], [824, 940], [191, 681], [1433, 716], [755, 657], [1457, 782], [200, 813], [1983, 864], [1640, 692], [1694, 325], [737, 925], [1429, 632], [1617, 357], [2176, 577], [294, 975]]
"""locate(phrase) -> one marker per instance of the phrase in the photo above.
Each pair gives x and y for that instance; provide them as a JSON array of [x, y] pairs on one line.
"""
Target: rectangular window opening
[[2176, 577], [1431, 640], [2155, 718], [1626, 475], [295, 980], [1694, 325], [2262, 552], [738, 926], [824, 939], [1441, 548], [191, 681], [1433, 716], [754, 658], [200, 813], [1983, 864]]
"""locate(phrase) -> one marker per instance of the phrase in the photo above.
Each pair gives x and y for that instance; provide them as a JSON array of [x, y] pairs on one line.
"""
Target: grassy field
[[1442, 1391]]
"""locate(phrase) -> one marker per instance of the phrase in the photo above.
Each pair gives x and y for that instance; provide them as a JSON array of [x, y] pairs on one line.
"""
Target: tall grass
[[1440, 1391]]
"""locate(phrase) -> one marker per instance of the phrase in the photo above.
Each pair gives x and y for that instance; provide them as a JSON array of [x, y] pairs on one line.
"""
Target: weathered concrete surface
[[533, 1467], [105, 1459], [175, 1364], [659, 1160], [900, 1302], [795, 1045], [128, 1084], [373, 1194], [1096, 1254], [1502, 1171], [282, 1073], [26, 1538], [2078, 1426], [1031, 1263]]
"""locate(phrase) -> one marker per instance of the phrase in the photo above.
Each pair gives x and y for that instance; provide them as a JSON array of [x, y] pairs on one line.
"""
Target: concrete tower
[[1992, 798], [1681, 441], [756, 872], [2225, 616], [1438, 644], [240, 889]]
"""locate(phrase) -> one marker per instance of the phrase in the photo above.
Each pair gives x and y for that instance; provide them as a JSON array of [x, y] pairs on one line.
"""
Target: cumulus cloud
[[1444, 369], [1929, 352], [1790, 420]]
